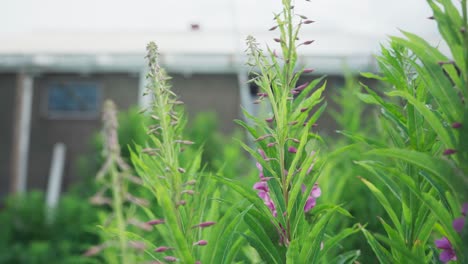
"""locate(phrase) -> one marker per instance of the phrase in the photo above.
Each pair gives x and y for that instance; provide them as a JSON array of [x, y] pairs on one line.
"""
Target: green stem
[[117, 208]]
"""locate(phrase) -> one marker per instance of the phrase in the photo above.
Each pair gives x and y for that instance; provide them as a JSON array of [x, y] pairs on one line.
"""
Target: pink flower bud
[[271, 144], [170, 258], [301, 87], [457, 125], [308, 42], [156, 222], [204, 224], [292, 149], [269, 120], [200, 243], [309, 70], [449, 152], [273, 28], [277, 40], [308, 22], [162, 249]]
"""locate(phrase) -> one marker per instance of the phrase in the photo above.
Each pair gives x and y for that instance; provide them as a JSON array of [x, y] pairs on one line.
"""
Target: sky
[[345, 26]]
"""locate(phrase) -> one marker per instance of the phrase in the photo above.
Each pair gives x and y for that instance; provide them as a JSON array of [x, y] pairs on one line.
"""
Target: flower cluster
[[448, 253], [262, 187], [312, 198]]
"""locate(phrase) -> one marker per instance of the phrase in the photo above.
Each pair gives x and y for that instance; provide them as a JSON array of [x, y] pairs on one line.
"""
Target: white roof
[[49, 30]]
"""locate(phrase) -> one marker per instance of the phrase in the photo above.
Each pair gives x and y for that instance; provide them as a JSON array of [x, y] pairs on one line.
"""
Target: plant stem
[[117, 208]]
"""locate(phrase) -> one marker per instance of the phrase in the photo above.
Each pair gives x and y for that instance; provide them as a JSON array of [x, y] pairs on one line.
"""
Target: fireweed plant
[[288, 223], [424, 164], [115, 179], [187, 220]]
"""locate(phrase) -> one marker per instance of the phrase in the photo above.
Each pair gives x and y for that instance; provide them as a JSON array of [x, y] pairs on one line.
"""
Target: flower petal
[[458, 224], [443, 243]]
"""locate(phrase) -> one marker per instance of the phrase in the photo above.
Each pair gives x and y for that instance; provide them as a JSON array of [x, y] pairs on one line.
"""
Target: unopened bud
[[204, 224], [308, 22], [309, 70], [263, 137], [162, 249], [200, 243], [292, 150], [449, 152], [269, 120], [191, 182], [181, 170], [273, 28], [271, 144], [156, 222], [457, 125], [185, 142], [301, 87], [170, 258], [308, 42], [277, 40]]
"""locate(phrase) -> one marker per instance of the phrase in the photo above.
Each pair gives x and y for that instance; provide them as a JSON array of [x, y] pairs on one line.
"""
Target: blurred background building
[[60, 59]]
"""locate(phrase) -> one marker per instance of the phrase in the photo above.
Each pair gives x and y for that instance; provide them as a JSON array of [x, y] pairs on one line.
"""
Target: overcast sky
[[368, 20]]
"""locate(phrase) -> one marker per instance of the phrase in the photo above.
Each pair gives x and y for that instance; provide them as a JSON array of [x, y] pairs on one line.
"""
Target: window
[[76, 100]]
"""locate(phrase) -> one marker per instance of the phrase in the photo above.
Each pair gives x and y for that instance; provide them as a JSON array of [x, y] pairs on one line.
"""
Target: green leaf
[[385, 203]]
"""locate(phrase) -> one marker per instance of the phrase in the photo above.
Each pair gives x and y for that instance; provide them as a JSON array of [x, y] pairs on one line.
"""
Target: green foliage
[[28, 238], [424, 158]]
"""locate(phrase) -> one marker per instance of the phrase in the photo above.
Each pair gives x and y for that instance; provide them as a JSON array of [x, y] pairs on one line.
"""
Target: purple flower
[[268, 202], [262, 153], [447, 253], [449, 152], [457, 125], [261, 186], [200, 243], [458, 224], [292, 149], [312, 198]]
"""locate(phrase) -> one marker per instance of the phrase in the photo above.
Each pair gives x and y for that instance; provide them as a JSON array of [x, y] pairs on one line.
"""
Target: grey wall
[[210, 92], [76, 134], [7, 104]]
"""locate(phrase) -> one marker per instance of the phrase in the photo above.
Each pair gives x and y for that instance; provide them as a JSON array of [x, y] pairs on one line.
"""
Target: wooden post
[[21, 132]]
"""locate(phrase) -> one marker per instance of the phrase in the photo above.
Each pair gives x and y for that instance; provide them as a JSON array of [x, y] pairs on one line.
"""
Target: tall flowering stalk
[[115, 178], [173, 178], [289, 223]]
